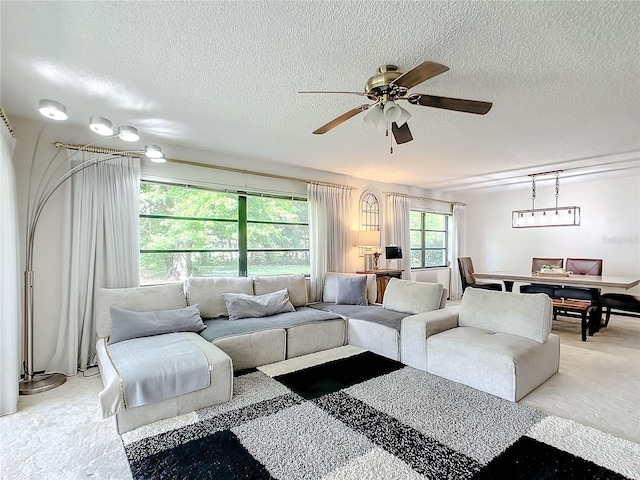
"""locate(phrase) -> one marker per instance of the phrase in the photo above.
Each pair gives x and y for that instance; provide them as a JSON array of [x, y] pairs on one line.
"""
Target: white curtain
[[102, 250], [398, 213], [10, 311], [329, 231], [458, 238]]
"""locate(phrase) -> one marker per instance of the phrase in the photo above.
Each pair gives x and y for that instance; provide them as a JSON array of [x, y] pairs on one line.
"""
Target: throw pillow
[[127, 324], [241, 305], [351, 290]]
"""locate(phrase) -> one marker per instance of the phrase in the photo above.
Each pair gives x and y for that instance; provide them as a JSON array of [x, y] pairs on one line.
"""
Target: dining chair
[[582, 266], [465, 265], [536, 264]]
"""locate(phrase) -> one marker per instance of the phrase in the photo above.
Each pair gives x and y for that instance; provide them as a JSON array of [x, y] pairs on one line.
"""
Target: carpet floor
[[350, 414]]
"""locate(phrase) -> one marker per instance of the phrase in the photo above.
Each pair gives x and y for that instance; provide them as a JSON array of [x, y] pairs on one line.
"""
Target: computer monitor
[[392, 252]]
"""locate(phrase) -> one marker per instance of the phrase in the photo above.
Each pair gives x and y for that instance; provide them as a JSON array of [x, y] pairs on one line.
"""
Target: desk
[[572, 280], [382, 278]]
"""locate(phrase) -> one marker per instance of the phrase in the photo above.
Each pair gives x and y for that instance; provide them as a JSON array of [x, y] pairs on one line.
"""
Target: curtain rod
[[6, 122], [205, 165], [424, 198]]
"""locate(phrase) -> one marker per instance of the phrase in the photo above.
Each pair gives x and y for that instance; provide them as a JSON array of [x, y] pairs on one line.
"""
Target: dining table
[[590, 281]]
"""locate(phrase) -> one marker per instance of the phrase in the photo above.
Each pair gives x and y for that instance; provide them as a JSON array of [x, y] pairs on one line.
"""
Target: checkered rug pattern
[[366, 417]]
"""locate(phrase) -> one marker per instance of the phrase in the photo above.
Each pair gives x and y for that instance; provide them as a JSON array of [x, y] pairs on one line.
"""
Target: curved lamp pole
[[31, 384]]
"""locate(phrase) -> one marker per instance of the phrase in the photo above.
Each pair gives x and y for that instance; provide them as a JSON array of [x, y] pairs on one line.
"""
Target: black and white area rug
[[349, 414]]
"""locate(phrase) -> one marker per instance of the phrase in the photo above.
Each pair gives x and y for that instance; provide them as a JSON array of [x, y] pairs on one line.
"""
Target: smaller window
[[429, 239], [369, 212]]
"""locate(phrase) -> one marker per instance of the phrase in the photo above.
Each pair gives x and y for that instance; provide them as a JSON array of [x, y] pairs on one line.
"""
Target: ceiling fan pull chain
[[390, 143]]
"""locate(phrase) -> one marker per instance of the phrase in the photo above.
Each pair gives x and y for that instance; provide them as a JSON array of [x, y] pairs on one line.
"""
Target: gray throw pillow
[[127, 324], [351, 290], [241, 305]]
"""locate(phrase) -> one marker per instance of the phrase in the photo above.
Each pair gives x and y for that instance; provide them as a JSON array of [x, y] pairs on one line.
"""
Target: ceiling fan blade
[[446, 103], [419, 74], [401, 134], [362, 94], [341, 119]]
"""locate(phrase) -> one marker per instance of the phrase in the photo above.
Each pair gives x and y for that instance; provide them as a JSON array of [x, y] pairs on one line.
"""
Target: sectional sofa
[[498, 342]]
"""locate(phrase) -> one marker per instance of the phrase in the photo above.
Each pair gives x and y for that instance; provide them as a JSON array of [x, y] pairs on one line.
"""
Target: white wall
[[48, 244], [609, 229]]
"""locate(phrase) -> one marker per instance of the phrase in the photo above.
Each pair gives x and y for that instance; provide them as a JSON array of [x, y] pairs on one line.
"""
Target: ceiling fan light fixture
[[101, 126], [52, 109], [374, 116], [404, 116], [128, 133], [392, 111]]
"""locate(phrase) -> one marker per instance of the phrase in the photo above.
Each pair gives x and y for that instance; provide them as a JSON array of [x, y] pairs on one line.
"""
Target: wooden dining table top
[[571, 280]]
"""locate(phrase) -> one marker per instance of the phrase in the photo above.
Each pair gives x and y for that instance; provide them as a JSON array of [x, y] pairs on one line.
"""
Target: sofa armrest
[[416, 329]]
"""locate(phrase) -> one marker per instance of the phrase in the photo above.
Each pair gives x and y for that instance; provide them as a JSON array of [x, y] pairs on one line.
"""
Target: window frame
[[423, 234], [242, 221]]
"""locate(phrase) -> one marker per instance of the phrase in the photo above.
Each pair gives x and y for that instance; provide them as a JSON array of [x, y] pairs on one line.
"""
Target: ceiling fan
[[387, 87]]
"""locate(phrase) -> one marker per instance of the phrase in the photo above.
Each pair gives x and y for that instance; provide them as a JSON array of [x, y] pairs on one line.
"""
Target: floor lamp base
[[42, 384]]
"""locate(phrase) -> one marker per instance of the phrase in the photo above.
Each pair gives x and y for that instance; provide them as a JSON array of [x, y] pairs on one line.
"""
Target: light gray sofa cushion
[[127, 324], [207, 293], [525, 315], [330, 288], [351, 290], [369, 313], [296, 285], [240, 305], [169, 296], [412, 297]]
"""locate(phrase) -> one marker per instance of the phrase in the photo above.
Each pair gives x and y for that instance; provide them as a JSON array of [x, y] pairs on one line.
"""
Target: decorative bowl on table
[[552, 270]]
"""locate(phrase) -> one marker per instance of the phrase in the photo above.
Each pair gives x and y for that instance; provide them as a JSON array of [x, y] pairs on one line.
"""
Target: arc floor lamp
[[53, 110]]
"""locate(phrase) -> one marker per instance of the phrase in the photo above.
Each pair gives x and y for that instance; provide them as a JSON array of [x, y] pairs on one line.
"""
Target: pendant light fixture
[[546, 217]]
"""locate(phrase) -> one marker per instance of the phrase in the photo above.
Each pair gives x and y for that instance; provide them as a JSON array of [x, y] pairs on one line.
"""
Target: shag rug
[[350, 414]]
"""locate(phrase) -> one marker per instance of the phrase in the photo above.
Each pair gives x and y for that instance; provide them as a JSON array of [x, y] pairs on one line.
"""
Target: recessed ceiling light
[[52, 109], [128, 133], [101, 126]]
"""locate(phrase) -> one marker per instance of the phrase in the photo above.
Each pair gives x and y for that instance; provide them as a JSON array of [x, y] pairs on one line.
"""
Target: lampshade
[[369, 238], [101, 126], [52, 109], [128, 133]]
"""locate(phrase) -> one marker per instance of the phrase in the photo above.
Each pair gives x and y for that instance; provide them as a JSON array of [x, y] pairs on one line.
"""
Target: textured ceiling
[[564, 78]]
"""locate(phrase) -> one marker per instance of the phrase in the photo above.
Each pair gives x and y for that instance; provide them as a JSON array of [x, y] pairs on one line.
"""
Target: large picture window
[[429, 239], [187, 231]]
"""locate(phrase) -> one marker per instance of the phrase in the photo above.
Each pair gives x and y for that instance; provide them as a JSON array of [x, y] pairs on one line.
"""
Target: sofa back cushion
[[412, 297], [152, 298], [330, 287], [525, 315], [206, 292], [296, 285]]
